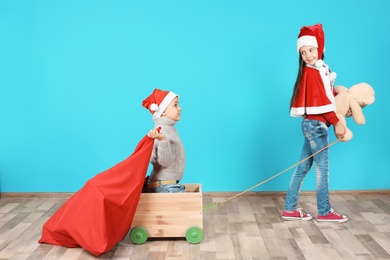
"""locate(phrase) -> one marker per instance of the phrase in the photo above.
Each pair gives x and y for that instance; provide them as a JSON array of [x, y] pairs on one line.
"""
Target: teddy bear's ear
[[340, 89]]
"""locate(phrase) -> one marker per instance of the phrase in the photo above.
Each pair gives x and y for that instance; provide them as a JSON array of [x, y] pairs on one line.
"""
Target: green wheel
[[194, 235], [138, 235]]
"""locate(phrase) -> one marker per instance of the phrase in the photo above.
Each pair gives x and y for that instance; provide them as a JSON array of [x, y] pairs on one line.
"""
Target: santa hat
[[158, 101], [312, 36]]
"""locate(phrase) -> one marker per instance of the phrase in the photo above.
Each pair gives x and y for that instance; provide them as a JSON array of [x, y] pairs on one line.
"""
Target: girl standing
[[313, 99]]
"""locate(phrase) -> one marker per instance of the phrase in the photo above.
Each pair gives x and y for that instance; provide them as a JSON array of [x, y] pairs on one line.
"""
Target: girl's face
[[309, 54], [173, 110]]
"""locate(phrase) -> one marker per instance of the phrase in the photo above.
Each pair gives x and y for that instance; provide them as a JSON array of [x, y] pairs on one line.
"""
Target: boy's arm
[[164, 153], [163, 148]]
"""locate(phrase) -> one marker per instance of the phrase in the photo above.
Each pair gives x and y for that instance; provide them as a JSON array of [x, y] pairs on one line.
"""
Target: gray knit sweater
[[168, 157]]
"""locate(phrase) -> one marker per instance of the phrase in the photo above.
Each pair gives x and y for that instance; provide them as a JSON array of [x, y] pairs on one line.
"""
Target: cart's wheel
[[194, 235], [138, 235]]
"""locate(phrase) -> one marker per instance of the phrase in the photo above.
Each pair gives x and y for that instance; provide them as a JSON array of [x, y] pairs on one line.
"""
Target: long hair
[[297, 84], [302, 65]]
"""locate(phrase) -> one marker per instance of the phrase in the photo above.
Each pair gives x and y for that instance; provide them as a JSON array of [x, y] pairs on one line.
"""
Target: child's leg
[[321, 164], [298, 178], [168, 188]]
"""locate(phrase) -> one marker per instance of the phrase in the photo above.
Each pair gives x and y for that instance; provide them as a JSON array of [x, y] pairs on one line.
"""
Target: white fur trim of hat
[[159, 109], [306, 40]]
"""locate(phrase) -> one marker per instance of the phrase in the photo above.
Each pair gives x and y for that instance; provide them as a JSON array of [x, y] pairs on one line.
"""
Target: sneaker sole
[[333, 220], [296, 218]]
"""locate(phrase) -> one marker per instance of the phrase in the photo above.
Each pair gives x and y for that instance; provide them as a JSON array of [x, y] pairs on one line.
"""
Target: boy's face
[[173, 110]]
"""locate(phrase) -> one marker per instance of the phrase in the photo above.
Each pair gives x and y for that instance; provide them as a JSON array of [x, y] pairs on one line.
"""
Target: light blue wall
[[73, 75]]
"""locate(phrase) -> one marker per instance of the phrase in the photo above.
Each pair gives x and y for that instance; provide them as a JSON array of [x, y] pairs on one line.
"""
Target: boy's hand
[[156, 135]]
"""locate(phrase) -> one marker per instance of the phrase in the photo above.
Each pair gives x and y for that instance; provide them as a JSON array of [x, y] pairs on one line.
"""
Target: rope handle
[[212, 205]]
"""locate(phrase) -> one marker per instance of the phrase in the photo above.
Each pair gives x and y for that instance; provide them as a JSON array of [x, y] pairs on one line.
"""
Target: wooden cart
[[169, 215]]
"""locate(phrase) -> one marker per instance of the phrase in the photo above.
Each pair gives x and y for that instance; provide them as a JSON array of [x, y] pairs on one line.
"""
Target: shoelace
[[335, 213], [301, 213]]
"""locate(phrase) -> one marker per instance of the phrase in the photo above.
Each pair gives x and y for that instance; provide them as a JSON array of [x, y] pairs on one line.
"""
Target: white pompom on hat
[[158, 101], [312, 35]]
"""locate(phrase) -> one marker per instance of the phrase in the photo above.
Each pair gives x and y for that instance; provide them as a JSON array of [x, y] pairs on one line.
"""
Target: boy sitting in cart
[[168, 156]]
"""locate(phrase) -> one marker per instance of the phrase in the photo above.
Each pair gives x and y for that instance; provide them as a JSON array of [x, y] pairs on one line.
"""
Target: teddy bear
[[350, 102]]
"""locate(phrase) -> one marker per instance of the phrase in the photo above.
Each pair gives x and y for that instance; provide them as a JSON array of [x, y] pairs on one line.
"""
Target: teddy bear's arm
[[357, 112]]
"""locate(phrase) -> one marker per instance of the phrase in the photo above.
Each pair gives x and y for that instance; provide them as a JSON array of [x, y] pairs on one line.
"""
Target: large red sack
[[99, 215]]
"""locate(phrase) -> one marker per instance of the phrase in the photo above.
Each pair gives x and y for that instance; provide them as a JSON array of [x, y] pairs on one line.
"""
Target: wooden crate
[[170, 214]]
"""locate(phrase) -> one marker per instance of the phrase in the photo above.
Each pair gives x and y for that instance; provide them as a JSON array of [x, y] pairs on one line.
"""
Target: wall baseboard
[[66, 195]]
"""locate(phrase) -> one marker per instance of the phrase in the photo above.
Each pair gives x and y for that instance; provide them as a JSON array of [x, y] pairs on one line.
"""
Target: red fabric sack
[[99, 215]]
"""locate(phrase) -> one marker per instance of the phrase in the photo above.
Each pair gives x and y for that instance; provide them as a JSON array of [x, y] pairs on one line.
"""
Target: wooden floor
[[246, 227]]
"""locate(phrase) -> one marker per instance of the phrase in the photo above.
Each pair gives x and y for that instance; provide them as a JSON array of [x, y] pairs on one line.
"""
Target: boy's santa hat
[[158, 101], [312, 36]]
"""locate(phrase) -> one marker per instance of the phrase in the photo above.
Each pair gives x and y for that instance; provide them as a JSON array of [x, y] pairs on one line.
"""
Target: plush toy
[[350, 102]]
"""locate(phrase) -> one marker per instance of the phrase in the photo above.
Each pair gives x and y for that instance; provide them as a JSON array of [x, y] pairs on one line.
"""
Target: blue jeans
[[167, 188], [316, 137]]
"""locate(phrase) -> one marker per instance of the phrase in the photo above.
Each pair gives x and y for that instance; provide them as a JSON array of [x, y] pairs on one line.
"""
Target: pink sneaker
[[333, 217], [296, 214]]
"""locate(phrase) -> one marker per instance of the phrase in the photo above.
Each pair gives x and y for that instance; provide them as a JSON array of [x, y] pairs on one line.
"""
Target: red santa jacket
[[315, 95]]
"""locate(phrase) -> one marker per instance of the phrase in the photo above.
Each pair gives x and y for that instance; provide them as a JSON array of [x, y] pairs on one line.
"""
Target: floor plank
[[248, 227]]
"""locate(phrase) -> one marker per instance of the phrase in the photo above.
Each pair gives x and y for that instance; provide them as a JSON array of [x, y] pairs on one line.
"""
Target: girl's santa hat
[[158, 101], [312, 36]]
